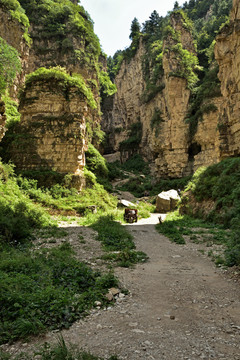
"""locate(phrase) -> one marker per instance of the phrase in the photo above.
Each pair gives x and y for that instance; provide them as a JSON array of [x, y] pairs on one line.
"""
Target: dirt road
[[180, 306]]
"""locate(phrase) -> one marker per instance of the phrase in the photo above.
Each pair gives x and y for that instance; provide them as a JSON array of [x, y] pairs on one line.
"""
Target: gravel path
[[180, 306]]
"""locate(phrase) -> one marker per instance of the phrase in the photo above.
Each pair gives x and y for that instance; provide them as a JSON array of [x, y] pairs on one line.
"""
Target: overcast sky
[[113, 18]]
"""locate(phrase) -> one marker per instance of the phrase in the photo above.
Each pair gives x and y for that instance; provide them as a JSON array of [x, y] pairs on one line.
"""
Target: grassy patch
[[46, 289], [116, 238], [199, 231]]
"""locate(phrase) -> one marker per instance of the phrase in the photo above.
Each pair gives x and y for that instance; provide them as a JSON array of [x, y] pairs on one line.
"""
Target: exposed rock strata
[[227, 53], [52, 132], [168, 147], [165, 145]]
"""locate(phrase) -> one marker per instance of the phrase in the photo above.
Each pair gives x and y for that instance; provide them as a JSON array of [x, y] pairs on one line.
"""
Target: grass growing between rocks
[[46, 289], [60, 351], [118, 242]]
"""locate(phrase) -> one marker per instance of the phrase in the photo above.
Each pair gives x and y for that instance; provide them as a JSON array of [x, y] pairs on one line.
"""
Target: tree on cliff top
[[135, 29]]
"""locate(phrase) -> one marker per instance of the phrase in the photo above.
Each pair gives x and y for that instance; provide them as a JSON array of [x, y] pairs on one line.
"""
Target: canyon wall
[[164, 144], [169, 146], [227, 53]]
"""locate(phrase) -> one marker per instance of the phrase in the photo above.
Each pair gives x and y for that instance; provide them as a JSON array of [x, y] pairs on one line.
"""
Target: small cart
[[131, 215]]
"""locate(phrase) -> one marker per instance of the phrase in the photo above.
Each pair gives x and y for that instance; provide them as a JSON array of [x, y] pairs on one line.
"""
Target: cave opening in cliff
[[193, 150]]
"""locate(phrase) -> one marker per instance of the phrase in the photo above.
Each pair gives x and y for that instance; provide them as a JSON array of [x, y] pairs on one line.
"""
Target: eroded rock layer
[[164, 143], [168, 144], [227, 53], [52, 132]]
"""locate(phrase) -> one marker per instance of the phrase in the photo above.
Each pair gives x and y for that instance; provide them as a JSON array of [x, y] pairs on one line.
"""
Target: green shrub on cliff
[[10, 65], [95, 162], [18, 13], [62, 19], [64, 80]]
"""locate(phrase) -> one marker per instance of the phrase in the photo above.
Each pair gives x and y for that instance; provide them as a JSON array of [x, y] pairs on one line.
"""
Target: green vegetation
[[61, 20], [115, 238], [219, 183], [65, 81], [97, 165], [187, 64], [11, 111], [59, 351], [140, 179], [201, 99], [19, 215], [217, 187], [10, 65], [46, 289], [18, 13], [107, 87]]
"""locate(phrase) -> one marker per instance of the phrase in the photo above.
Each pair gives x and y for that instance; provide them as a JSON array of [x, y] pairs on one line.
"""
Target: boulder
[[167, 201], [125, 204]]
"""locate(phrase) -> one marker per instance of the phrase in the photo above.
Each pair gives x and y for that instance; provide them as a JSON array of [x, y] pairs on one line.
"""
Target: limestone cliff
[[167, 141], [227, 53], [164, 140], [52, 132]]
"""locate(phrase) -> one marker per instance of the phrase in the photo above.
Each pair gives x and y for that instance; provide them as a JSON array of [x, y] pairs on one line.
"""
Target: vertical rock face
[[167, 143], [164, 144], [227, 53], [52, 132], [207, 138]]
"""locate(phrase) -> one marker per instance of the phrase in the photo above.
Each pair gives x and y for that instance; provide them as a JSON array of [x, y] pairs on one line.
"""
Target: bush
[[95, 162], [18, 214], [221, 184]]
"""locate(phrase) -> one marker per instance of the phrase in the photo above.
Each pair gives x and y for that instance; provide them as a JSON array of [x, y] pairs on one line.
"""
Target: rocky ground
[[180, 306]]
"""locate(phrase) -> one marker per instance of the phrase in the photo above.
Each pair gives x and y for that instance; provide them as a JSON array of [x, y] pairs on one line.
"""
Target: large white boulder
[[167, 201], [125, 204]]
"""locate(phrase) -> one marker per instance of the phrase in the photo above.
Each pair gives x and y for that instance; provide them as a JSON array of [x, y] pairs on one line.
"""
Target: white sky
[[112, 18]]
